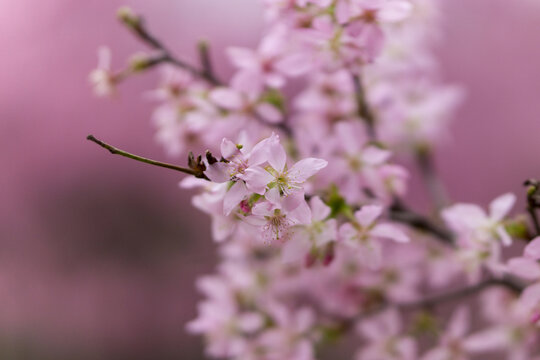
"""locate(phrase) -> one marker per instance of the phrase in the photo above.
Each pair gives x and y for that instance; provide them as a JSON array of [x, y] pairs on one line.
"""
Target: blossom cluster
[[301, 177]]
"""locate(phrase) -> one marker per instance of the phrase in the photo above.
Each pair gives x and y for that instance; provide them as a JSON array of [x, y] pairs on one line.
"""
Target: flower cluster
[[305, 190]]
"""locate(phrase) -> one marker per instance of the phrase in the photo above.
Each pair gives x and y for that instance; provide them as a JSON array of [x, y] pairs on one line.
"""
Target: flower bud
[[139, 62], [128, 17]]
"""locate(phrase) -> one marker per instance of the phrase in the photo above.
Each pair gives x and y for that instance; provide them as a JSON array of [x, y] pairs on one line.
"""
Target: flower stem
[[115, 151], [435, 187], [364, 111]]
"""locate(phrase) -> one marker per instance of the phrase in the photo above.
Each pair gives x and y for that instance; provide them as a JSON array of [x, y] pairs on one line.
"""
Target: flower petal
[[226, 98], [525, 268], [233, 197], [256, 179], [501, 206], [304, 169], [532, 250], [389, 231], [368, 214], [319, 209]]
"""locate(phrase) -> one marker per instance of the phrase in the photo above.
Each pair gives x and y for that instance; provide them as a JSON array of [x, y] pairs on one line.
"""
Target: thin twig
[[461, 293], [364, 111], [137, 26], [533, 202], [206, 61], [434, 300], [433, 183], [116, 151], [400, 213]]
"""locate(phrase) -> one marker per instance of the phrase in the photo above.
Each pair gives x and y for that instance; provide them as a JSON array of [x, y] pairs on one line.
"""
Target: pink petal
[[391, 232], [276, 155], [503, 235], [296, 248], [269, 113], [319, 209], [226, 98], [248, 82], [222, 227], [218, 172], [375, 156], [257, 179], [259, 153], [243, 57], [228, 148], [306, 168], [368, 214], [532, 250], [394, 11], [301, 214], [501, 206], [233, 197], [295, 65], [486, 340], [292, 201], [343, 12], [525, 268], [530, 297], [459, 323]]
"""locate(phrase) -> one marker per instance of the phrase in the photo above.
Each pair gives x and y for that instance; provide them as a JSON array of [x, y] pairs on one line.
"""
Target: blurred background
[[99, 254]]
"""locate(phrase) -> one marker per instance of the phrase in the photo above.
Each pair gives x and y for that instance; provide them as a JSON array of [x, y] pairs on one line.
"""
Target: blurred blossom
[[100, 254]]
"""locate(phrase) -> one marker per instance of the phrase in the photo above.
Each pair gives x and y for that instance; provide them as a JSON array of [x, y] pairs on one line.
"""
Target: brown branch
[[400, 213], [533, 202], [115, 151], [432, 182], [136, 24], [364, 111]]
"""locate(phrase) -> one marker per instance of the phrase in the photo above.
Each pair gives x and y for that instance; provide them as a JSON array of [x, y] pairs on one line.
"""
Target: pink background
[[98, 254]]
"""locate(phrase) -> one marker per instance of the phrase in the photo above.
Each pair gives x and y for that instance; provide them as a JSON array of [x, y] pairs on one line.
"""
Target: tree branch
[[533, 202], [115, 151], [461, 293], [400, 213], [136, 24], [364, 111], [433, 183]]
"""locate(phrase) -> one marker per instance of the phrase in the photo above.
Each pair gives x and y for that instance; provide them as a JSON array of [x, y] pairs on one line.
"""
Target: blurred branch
[[206, 61], [401, 213], [364, 111], [432, 301], [197, 172], [461, 293], [136, 24], [435, 188], [533, 202]]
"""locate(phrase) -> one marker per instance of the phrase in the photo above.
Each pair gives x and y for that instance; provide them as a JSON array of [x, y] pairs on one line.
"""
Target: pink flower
[[472, 222], [370, 11], [290, 338], [312, 237], [269, 64], [452, 343], [527, 266], [276, 215], [278, 175], [363, 232], [385, 340], [102, 78]]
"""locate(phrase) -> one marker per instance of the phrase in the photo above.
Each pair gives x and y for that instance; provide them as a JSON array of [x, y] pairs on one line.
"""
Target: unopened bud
[[128, 17], [139, 62]]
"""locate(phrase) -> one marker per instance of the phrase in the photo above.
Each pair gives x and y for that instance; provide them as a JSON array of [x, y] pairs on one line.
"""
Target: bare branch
[[116, 151]]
